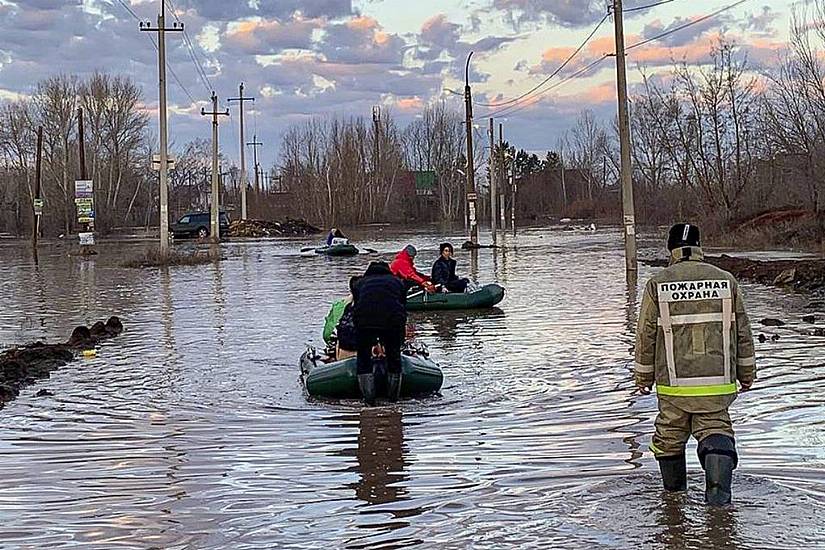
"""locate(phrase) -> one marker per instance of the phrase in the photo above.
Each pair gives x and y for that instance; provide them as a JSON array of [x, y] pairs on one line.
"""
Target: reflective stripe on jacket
[[694, 338]]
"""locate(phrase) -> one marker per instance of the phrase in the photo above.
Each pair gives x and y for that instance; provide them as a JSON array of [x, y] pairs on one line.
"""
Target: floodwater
[[190, 430]]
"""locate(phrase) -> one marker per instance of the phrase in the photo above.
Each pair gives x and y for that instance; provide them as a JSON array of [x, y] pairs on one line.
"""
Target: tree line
[[716, 142]]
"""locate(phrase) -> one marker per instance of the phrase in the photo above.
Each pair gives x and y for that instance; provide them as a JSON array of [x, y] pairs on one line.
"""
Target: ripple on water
[[191, 430]]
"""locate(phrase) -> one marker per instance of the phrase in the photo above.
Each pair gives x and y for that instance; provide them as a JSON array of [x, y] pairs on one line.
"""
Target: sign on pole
[[38, 207], [84, 202]]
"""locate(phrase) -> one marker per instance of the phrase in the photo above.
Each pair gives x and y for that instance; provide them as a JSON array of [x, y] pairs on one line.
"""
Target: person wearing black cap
[[443, 272], [694, 342], [380, 315]]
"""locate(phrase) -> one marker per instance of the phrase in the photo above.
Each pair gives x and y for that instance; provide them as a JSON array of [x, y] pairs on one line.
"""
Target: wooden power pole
[[215, 228], [38, 201], [472, 197], [628, 210]]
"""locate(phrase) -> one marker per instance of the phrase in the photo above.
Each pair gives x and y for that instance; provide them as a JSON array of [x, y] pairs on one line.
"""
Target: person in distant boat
[[335, 233], [694, 343], [380, 315], [443, 272], [403, 267], [339, 325]]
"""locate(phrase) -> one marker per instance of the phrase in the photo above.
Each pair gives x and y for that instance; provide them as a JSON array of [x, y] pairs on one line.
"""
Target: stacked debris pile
[[24, 365], [262, 228]]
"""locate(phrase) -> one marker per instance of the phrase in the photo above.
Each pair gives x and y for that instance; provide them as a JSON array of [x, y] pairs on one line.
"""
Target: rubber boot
[[718, 479], [366, 383], [717, 453], [394, 386], [674, 472]]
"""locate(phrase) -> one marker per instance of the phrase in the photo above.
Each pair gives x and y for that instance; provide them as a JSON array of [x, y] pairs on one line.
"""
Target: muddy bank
[[24, 365], [262, 228], [805, 275]]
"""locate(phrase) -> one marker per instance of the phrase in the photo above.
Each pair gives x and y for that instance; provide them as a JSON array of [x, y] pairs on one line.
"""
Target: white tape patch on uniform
[[689, 291]]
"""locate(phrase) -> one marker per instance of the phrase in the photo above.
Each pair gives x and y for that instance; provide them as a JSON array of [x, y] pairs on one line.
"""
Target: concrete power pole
[[164, 140], [215, 226], [628, 209], [493, 183], [502, 175], [255, 144], [472, 197], [240, 99]]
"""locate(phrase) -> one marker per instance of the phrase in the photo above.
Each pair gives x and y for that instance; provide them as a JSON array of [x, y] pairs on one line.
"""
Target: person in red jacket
[[403, 267]]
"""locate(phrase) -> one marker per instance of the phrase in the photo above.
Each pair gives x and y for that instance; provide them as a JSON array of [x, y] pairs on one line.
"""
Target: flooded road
[[190, 430]]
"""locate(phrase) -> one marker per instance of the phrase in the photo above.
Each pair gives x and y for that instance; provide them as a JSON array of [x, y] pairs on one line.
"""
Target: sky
[[305, 58]]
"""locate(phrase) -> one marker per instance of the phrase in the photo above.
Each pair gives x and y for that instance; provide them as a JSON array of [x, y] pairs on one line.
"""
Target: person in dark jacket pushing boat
[[443, 273], [380, 315]]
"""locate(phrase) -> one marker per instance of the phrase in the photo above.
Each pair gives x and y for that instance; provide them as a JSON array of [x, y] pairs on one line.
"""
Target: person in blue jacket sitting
[[335, 233]]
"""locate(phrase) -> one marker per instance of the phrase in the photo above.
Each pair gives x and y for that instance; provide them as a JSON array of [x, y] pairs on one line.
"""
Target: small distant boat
[[338, 250], [339, 379], [339, 247], [486, 297]]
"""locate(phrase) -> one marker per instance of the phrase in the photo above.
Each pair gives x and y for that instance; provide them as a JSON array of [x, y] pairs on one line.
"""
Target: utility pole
[[376, 121], [493, 182], [37, 206], [255, 144], [85, 249], [502, 174], [563, 185], [215, 230], [628, 209], [164, 140], [472, 197], [81, 144], [514, 187], [240, 99]]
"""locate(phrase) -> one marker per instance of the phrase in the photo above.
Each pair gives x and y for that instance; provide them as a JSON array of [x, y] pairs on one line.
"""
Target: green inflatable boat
[[338, 380], [486, 297], [338, 250]]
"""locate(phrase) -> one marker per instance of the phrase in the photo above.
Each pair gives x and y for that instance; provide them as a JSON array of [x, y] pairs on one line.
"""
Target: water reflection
[[535, 441], [687, 523], [381, 456]]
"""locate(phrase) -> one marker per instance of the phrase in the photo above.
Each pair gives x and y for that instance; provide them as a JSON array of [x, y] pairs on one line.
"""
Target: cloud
[[440, 46], [762, 22], [231, 10], [683, 36], [361, 40], [568, 13], [259, 36]]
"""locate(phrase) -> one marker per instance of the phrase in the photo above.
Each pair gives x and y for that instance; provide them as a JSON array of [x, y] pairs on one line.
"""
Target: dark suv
[[197, 224]]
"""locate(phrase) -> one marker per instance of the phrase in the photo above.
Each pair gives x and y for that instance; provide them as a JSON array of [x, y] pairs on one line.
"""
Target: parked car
[[197, 224]]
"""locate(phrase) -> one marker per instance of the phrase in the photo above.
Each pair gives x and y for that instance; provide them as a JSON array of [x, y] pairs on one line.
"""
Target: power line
[[155, 44], [191, 49], [516, 108], [520, 107], [554, 73], [647, 7], [686, 25]]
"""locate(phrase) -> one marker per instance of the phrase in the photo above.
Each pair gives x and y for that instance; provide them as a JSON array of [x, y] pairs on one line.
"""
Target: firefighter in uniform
[[694, 342]]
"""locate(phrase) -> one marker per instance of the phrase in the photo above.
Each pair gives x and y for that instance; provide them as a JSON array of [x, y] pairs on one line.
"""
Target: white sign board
[[87, 239], [83, 189]]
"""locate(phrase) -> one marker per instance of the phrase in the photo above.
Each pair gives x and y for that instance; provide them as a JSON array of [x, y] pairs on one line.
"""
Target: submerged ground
[[190, 430]]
